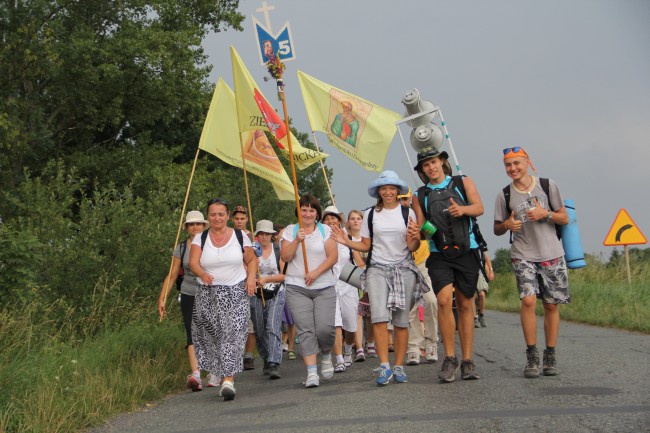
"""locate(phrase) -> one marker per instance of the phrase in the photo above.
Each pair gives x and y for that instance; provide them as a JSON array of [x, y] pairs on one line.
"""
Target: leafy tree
[[501, 261], [83, 78]]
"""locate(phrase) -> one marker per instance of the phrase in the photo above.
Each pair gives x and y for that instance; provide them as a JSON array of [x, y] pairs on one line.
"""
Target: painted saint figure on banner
[[345, 125], [258, 149]]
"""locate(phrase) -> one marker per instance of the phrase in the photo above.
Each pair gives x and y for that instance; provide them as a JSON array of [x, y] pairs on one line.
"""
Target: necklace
[[218, 242], [527, 189]]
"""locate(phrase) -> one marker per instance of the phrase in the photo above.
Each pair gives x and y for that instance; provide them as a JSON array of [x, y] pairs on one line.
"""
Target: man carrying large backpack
[[530, 208], [449, 204]]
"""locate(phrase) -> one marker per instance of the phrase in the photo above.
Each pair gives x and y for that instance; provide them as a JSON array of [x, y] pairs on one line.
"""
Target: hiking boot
[[360, 357], [194, 382], [339, 368], [213, 380], [432, 352], [448, 370], [273, 370], [385, 375], [399, 376], [532, 363], [468, 370], [227, 391], [481, 320], [550, 365], [476, 324], [249, 364], [312, 381], [412, 358]]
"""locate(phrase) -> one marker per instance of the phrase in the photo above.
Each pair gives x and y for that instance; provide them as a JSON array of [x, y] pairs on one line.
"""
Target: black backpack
[[405, 215], [543, 182], [452, 237]]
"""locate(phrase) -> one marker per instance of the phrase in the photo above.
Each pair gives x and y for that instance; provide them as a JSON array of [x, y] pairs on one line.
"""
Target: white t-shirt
[[389, 235], [226, 264], [315, 246]]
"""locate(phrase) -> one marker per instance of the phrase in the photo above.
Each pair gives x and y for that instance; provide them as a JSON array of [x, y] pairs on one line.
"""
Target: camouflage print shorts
[[547, 280]]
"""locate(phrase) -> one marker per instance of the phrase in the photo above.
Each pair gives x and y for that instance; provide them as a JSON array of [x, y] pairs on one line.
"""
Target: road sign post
[[624, 232]]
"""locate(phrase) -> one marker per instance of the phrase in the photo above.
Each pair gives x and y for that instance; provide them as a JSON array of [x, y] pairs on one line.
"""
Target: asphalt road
[[603, 386]]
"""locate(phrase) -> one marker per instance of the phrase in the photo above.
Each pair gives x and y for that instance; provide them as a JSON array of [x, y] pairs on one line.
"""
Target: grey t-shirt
[[189, 286], [537, 240]]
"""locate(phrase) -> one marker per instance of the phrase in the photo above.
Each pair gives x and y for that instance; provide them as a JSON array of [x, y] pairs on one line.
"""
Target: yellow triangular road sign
[[624, 232]]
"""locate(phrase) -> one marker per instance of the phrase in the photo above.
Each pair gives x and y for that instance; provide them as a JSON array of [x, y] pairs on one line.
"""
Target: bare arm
[[167, 286], [250, 262], [195, 265], [475, 205]]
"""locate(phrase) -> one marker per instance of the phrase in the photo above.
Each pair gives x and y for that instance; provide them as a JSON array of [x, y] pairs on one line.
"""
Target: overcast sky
[[567, 79]]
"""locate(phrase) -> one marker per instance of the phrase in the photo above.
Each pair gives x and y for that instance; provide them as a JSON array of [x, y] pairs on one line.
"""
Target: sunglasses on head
[[514, 149], [218, 200]]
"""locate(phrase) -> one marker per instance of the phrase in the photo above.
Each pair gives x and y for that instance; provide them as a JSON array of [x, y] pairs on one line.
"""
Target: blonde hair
[[353, 211]]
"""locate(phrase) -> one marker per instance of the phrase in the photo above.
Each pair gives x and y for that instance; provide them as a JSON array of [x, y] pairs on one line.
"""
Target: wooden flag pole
[[248, 200], [324, 172], [280, 86], [167, 288]]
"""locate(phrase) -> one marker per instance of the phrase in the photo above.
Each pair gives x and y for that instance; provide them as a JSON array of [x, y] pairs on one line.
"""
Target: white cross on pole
[[265, 9]]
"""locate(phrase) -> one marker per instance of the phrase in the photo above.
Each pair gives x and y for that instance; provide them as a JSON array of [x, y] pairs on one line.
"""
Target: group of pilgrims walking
[[425, 275]]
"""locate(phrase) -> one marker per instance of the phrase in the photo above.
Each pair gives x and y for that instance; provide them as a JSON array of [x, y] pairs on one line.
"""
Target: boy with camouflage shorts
[[536, 252]]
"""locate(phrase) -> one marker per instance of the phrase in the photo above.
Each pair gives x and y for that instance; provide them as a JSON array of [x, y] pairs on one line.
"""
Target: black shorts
[[461, 271], [187, 307]]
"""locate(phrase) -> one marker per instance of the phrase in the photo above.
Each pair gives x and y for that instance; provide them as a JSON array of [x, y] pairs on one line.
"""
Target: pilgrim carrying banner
[[220, 137], [361, 130]]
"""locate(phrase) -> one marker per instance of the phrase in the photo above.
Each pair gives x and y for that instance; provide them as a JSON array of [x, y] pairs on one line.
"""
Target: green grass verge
[[599, 296], [68, 387]]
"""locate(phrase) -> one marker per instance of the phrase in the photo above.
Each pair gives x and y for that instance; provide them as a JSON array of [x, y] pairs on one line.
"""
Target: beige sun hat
[[264, 226], [194, 216], [333, 210]]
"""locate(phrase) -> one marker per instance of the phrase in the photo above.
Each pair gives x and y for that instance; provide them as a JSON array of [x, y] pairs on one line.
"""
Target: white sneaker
[[227, 391], [413, 358], [312, 381], [327, 369], [285, 347], [213, 380], [432, 352]]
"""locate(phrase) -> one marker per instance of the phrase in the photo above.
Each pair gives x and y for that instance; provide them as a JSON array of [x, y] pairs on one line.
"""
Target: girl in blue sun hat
[[392, 280]]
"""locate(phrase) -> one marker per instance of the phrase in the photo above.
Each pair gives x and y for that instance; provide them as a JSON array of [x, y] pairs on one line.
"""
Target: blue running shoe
[[385, 375], [399, 376]]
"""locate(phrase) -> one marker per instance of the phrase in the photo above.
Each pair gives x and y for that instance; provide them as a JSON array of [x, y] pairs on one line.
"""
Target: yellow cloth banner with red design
[[253, 109], [220, 137]]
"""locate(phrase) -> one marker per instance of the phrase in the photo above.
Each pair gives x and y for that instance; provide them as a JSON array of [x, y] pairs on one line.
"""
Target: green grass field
[[600, 295], [59, 375]]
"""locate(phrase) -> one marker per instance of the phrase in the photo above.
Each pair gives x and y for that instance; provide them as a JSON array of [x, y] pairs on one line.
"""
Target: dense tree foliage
[[101, 109]]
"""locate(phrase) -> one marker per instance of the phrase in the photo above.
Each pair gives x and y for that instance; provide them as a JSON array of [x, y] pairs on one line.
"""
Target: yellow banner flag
[[220, 137], [361, 130], [249, 116]]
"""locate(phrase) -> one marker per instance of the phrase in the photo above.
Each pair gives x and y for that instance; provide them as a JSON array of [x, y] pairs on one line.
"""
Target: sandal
[[360, 356], [291, 355]]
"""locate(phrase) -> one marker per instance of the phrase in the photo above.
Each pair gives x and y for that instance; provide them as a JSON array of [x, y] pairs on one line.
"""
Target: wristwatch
[[549, 217]]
